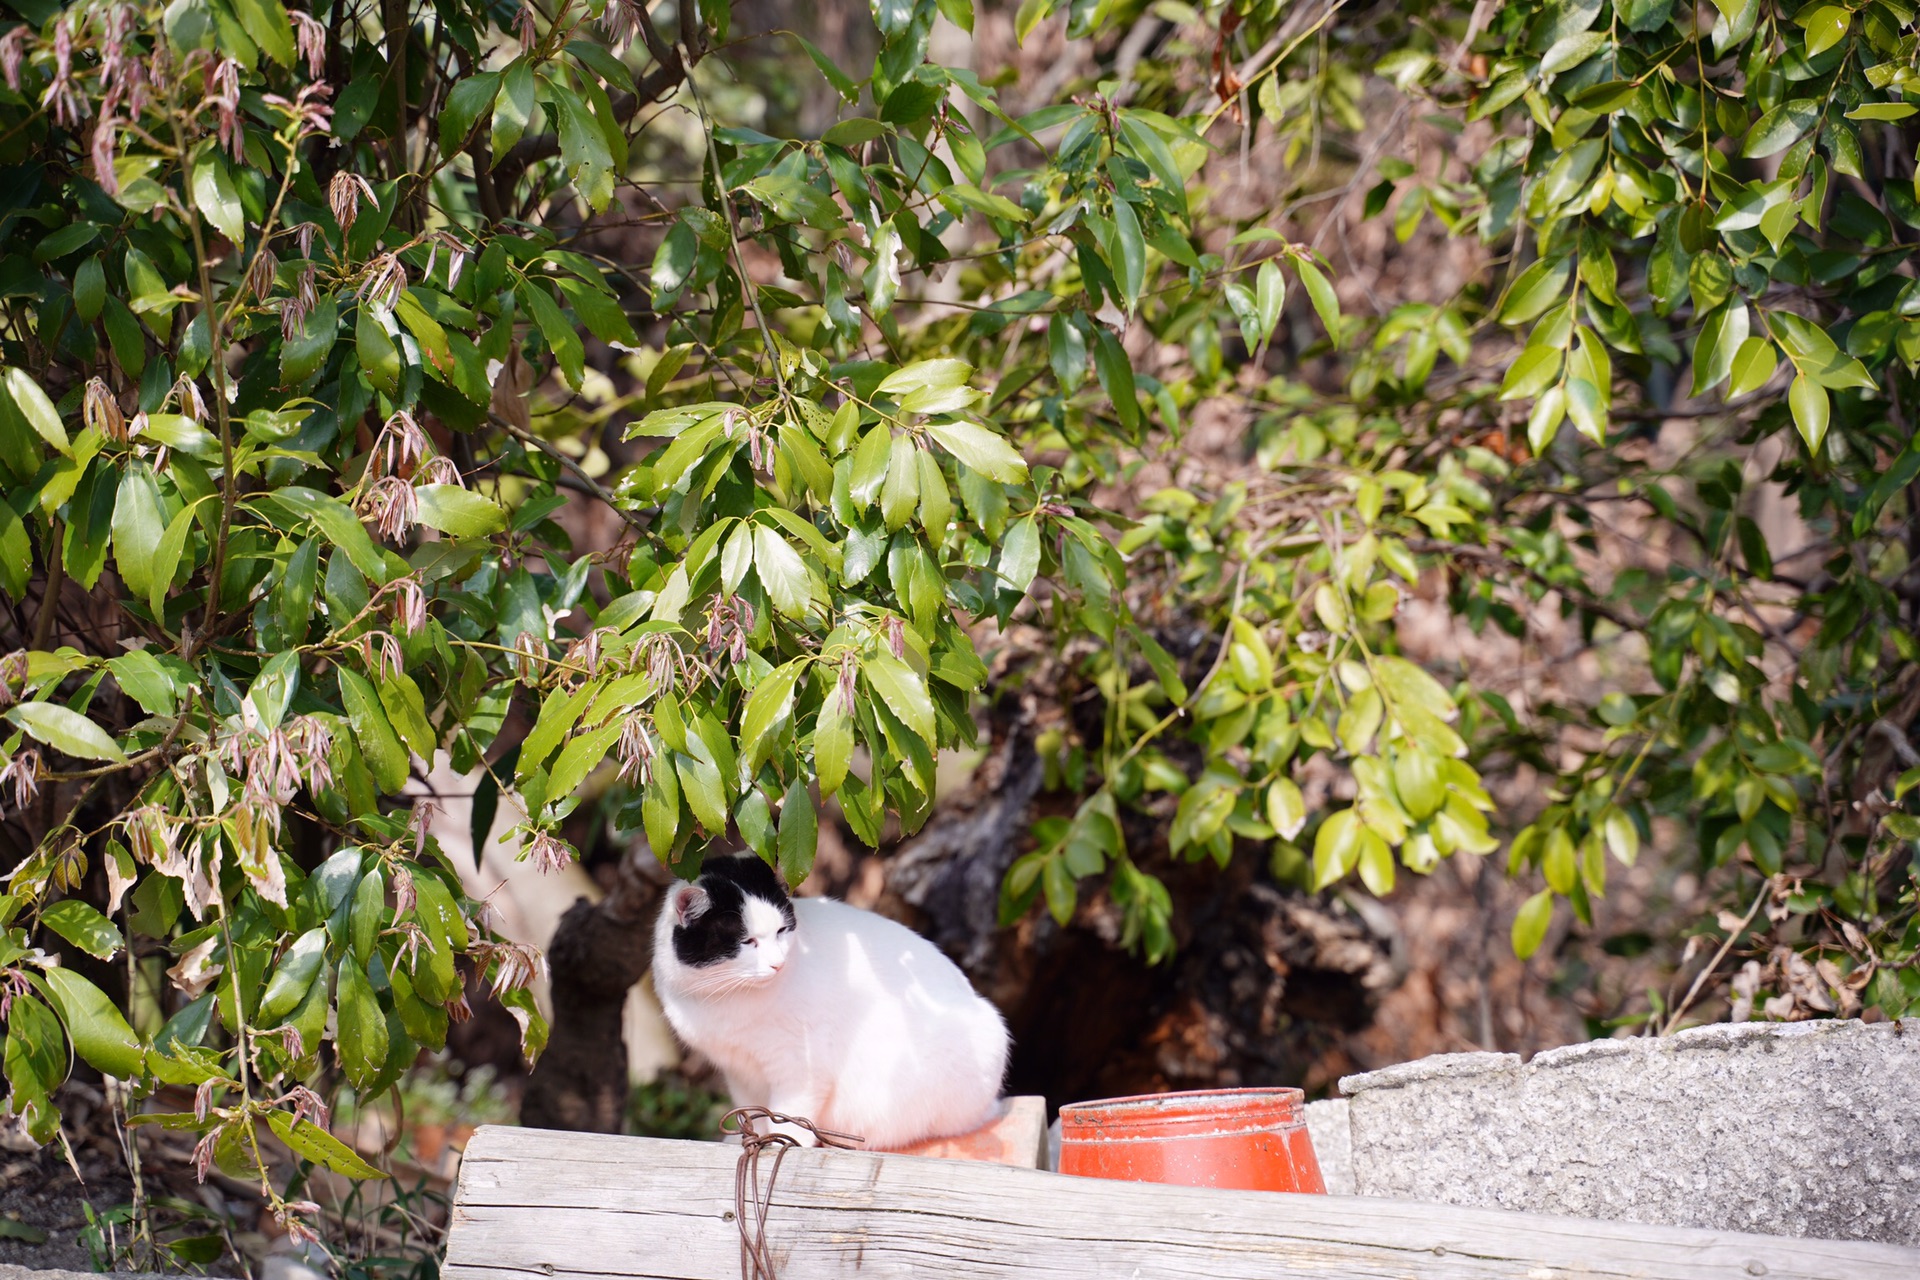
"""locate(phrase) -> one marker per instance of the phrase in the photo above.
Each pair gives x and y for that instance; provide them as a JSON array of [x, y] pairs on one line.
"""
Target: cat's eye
[[787, 930]]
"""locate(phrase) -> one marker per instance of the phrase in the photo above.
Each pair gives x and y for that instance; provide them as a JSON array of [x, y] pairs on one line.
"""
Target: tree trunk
[[599, 951]]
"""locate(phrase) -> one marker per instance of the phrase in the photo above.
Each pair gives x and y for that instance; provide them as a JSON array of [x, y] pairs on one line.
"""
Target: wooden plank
[[564, 1204]]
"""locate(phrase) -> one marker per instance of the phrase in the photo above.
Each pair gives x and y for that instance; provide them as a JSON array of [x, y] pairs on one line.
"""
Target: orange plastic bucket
[[1243, 1139]]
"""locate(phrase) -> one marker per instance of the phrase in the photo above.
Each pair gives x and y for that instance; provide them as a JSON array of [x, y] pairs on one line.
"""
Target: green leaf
[[843, 84], [35, 1053], [993, 206], [832, 741], [1808, 401], [1826, 26], [99, 1032], [293, 601], [39, 412], [158, 686], [1286, 808], [379, 356], [1587, 409], [166, 557], [90, 523], [791, 198], [1622, 837], [1530, 374], [381, 747], [66, 730], [870, 463], [555, 328], [799, 833], [1543, 423], [900, 492], [366, 917], [360, 1041], [84, 927], [293, 975], [1201, 814], [267, 22], [512, 108], [1813, 352], [139, 523], [557, 716], [1270, 295], [406, 709], [782, 572], [1336, 847], [1530, 923], [341, 528], [1320, 292], [660, 809], [1781, 127], [981, 449], [705, 793], [306, 352], [1721, 336], [1376, 864], [936, 500], [1572, 50], [1165, 669], [1882, 111], [904, 692], [1115, 371], [123, 332], [90, 289], [1128, 252], [308, 1140], [1753, 366], [458, 512], [466, 101], [1538, 288], [853, 132], [214, 195], [925, 375], [768, 707]]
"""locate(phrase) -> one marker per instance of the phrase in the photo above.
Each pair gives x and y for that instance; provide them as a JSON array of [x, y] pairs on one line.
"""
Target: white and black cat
[[814, 1008]]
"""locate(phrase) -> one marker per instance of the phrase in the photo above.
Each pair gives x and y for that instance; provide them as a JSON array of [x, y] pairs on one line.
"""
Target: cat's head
[[734, 925]]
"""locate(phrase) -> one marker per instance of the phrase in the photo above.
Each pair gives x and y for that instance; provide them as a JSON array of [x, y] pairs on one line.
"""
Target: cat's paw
[[801, 1137]]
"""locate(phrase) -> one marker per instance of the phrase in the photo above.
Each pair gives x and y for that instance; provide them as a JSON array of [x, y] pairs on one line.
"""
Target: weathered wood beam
[[553, 1204]]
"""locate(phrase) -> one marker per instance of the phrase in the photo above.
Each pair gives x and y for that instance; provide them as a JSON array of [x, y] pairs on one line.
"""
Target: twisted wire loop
[[756, 1259]]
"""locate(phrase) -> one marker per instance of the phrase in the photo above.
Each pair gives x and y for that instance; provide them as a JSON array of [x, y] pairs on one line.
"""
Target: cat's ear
[[689, 902]]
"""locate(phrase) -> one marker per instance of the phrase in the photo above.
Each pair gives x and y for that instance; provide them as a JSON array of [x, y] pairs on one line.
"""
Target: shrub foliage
[[301, 309]]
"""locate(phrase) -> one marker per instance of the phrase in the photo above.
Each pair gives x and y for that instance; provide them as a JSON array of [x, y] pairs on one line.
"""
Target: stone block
[[1798, 1129], [1017, 1137], [1332, 1135]]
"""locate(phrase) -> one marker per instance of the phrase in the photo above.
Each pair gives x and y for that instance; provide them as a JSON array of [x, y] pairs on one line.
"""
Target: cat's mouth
[[720, 984]]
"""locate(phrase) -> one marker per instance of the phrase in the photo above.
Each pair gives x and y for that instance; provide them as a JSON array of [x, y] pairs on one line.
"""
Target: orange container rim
[[1194, 1114]]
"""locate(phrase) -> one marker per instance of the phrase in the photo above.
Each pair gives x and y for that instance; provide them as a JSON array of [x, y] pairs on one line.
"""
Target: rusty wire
[[756, 1260]]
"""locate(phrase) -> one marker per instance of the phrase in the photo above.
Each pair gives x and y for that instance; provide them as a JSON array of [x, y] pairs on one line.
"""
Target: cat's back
[[848, 948]]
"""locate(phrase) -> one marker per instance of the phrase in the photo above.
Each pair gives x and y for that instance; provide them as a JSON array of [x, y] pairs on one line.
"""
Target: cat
[[814, 1008]]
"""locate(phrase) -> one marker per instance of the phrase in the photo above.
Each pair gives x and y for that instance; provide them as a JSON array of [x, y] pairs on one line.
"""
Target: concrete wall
[[1797, 1129]]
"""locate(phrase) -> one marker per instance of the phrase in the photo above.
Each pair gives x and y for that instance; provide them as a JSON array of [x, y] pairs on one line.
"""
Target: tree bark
[[599, 951]]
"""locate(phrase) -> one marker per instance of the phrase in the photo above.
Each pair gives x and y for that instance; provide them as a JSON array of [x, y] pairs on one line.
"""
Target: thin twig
[[1699, 981], [593, 486]]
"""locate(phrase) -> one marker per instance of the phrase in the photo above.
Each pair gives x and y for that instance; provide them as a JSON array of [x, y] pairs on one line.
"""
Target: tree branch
[[592, 486], [667, 75], [1489, 555]]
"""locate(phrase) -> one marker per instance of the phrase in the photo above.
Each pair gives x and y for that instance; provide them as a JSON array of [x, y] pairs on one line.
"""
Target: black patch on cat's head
[[712, 923]]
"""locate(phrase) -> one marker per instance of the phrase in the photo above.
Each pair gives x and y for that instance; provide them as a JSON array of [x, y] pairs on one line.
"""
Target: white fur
[[851, 1020]]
